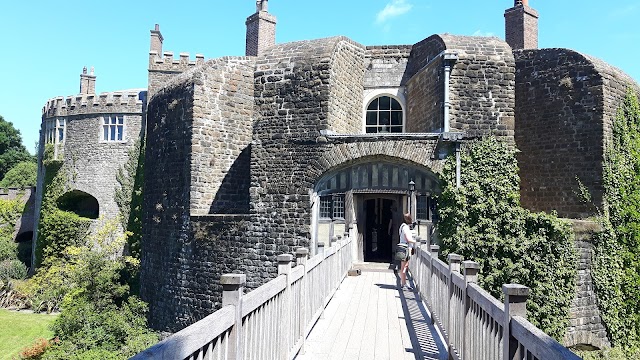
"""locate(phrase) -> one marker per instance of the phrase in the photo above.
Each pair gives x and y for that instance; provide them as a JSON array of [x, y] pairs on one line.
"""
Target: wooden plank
[[188, 340], [487, 302], [261, 295], [541, 345]]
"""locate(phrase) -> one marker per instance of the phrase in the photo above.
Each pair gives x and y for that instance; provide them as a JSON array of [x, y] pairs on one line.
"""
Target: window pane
[[395, 105], [325, 206], [120, 128], [385, 103], [112, 133], [396, 129], [373, 105], [120, 119], [372, 118], [105, 133], [338, 206], [371, 129], [385, 117], [421, 208], [60, 134], [105, 120], [396, 118]]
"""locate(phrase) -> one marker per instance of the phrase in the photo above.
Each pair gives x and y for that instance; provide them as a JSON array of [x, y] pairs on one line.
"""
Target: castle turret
[[156, 40], [521, 26], [87, 82], [261, 29]]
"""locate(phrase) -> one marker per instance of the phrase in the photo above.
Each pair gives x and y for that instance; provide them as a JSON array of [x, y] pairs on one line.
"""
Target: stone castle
[[296, 143]]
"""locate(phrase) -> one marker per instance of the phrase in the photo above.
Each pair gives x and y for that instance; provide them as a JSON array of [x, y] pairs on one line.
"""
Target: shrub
[[22, 175], [12, 269], [484, 222], [59, 230], [39, 347]]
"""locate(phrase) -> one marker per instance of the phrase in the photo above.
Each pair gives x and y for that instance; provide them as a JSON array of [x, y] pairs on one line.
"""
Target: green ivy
[[128, 196], [10, 211], [484, 222], [57, 229], [616, 263]]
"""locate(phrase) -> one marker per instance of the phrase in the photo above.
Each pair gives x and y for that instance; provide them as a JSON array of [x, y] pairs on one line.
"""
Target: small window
[[384, 115], [113, 128], [422, 207], [54, 131], [332, 206]]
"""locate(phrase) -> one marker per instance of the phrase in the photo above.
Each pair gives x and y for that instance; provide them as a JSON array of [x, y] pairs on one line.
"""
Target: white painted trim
[[396, 93]]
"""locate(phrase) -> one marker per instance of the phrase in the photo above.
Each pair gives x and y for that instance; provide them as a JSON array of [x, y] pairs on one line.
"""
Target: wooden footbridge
[[316, 311]]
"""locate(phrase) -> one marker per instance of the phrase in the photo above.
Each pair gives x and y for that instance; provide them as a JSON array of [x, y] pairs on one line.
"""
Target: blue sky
[[45, 44]]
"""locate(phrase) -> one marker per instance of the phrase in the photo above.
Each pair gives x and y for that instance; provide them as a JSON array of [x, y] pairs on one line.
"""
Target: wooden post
[[232, 289], [435, 252], [301, 259], [284, 268], [454, 267], [515, 304], [471, 269]]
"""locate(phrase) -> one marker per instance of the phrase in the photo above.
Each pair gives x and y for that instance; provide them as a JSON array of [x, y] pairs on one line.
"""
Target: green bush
[[22, 175], [12, 269], [484, 222], [59, 230]]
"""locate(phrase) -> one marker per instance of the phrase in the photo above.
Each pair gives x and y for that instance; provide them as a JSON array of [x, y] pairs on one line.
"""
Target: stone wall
[[586, 326], [165, 209], [164, 67], [345, 88], [92, 162], [385, 66], [565, 104], [222, 126], [482, 86]]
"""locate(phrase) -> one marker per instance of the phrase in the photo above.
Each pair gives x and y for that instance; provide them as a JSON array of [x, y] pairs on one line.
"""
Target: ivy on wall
[[484, 222], [616, 263], [57, 229], [128, 197]]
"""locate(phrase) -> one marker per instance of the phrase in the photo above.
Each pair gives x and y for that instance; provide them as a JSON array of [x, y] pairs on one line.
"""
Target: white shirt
[[406, 235]]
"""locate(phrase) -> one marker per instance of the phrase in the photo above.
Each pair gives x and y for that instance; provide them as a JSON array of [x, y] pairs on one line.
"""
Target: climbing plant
[[616, 262], [128, 196], [484, 222]]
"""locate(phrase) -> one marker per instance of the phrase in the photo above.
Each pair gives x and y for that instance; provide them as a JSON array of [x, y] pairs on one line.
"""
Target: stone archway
[[80, 203]]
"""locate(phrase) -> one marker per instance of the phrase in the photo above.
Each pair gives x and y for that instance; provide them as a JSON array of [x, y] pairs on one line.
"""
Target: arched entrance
[[367, 198], [80, 203]]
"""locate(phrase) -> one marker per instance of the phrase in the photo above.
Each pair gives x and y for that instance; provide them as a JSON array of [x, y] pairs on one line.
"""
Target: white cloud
[[482, 33], [393, 9]]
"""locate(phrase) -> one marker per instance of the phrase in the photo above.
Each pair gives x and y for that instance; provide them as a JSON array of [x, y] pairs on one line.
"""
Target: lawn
[[20, 329]]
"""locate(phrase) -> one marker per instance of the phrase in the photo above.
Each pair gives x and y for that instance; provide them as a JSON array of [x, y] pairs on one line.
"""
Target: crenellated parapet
[[127, 101], [169, 63]]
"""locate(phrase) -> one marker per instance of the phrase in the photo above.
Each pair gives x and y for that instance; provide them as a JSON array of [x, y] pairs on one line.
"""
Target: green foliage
[[483, 222], [10, 212], [22, 175], [128, 196], [12, 269], [11, 149], [616, 261], [609, 354], [100, 318]]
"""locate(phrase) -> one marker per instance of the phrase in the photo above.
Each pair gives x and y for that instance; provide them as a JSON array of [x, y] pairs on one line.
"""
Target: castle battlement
[[61, 105], [168, 62]]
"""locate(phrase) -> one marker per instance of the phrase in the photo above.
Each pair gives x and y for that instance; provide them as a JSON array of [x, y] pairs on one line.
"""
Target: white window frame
[[52, 129], [394, 93], [113, 124]]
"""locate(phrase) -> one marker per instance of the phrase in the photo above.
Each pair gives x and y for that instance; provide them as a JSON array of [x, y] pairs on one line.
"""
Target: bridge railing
[[474, 324], [270, 322]]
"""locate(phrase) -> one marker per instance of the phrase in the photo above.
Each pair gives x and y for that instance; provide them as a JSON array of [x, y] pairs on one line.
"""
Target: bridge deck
[[370, 318]]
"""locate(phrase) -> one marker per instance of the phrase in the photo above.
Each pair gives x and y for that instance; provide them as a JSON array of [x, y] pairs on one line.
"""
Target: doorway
[[381, 216]]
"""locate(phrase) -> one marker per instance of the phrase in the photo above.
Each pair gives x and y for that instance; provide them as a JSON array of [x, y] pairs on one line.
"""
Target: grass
[[20, 329]]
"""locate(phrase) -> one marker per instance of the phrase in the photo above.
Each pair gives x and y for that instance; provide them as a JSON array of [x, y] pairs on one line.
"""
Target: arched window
[[384, 115]]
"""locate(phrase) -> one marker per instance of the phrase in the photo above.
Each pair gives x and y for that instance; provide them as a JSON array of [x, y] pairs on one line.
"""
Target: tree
[[22, 175], [11, 149]]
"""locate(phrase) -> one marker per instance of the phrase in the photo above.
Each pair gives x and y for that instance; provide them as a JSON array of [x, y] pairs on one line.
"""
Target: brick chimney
[[521, 26], [156, 40], [261, 30], [87, 82]]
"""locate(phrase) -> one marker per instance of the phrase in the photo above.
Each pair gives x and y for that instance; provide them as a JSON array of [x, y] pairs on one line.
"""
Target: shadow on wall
[[233, 195]]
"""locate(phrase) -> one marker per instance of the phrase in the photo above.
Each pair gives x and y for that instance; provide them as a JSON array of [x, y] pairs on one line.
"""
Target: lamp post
[[412, 190]]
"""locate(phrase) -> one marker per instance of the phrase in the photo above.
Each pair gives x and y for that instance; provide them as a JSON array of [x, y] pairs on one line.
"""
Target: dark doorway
[[378, 236], [80, 203]]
